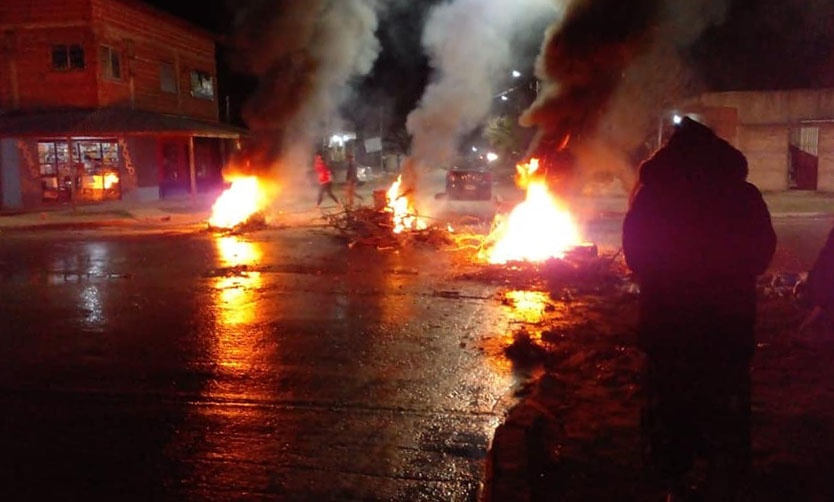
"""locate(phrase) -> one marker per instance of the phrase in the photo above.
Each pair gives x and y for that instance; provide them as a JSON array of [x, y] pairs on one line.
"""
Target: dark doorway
[[208, 164], [173, 168], [803, 151]]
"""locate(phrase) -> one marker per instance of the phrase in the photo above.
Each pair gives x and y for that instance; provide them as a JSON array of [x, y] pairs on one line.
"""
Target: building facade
[[787, 136], [106, 99]]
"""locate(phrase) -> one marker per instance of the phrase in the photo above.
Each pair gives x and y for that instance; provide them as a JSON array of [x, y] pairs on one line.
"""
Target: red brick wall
[[44, 12], [31, 29], [154, 39], [143, 37], [40, 86]]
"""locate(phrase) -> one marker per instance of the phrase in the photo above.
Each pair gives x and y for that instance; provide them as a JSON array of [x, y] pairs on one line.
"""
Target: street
[[275, 365]]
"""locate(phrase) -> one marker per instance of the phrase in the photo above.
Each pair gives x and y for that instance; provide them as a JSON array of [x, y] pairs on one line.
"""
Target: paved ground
[[508, 453]]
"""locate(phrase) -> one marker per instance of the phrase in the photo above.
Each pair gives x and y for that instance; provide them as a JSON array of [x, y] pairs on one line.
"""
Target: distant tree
[[502, 135]]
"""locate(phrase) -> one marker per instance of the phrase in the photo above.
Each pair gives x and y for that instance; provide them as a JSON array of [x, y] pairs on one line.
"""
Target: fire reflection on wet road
[[277, 365]]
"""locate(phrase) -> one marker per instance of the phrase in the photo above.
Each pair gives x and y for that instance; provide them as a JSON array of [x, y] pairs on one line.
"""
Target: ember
[[536, 230], [238, 204]]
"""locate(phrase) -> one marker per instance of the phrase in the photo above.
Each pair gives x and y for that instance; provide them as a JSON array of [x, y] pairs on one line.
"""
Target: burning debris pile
[[538, 229], [239, 208], [391, 223], [581, 268]]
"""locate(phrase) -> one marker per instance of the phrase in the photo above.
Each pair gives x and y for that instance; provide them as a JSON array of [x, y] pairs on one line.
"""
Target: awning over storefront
[[111, 122]]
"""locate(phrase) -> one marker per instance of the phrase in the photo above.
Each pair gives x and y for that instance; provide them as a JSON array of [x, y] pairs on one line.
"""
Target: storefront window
[[95, 173]]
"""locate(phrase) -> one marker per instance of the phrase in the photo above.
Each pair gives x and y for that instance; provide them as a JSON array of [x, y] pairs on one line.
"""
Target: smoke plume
[[608, 69], [470, 46], [305, 54]]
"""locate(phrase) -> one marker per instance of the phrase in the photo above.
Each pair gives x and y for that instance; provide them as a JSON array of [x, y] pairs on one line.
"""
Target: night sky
[[763, 44]]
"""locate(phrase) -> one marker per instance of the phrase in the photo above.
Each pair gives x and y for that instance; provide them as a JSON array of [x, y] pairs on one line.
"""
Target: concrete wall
[[775, 107], [766, 149], [143, 152], [764, 122], [825, 181], [30, 178], [11, 196]]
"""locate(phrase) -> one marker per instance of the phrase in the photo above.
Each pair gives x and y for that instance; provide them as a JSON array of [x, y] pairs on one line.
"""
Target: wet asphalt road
[[279, 365], [275, 366]]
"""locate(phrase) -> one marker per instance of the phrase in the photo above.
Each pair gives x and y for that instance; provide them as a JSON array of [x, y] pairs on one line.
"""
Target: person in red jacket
[[325, 177], [696, 235]]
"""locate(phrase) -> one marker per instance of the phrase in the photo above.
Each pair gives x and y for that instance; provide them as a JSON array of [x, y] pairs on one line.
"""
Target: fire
[[403, 213], [536, 230], [238, 203]]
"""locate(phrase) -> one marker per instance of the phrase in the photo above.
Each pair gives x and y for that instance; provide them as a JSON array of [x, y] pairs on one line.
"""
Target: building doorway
[[208, 164], [803, 158], [174, 176]]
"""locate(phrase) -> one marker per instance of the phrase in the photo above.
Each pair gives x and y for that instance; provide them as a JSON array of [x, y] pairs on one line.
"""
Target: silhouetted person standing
[[696, 236]]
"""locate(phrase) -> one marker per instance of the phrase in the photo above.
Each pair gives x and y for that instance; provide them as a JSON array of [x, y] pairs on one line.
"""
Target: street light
[[516, 73]]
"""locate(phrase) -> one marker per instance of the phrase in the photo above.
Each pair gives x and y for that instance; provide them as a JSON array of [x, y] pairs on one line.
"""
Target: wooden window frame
[[198, 80], [67, 57], [111, 62]]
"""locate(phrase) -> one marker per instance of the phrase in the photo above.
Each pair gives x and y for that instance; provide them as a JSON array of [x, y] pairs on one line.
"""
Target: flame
[[538, 229], [237, 203], [525, 172], [403, 213], [101, 181]]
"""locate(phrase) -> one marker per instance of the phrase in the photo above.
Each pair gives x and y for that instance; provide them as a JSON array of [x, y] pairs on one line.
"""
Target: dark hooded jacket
[[819, 290], [696, 236]]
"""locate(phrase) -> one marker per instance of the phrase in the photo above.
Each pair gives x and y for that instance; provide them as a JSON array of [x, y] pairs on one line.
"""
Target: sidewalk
[[183, 211], [187, 211], [178, 212]]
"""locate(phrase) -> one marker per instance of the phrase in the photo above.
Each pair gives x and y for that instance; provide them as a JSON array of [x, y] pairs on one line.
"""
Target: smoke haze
[[306, 55], [470, 45], [608, 69]]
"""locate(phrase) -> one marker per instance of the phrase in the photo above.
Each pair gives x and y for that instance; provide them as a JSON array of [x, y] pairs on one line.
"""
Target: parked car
[[364, 173], [469, 183]]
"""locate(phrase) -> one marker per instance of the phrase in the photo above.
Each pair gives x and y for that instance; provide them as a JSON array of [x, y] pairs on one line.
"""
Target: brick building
[[787, 136], [104, 99]]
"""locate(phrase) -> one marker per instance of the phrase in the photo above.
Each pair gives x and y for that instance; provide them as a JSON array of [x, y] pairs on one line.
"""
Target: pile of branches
[[365, 226]]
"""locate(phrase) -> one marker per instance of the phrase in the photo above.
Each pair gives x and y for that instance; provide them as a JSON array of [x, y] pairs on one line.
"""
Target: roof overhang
[[110, 122]]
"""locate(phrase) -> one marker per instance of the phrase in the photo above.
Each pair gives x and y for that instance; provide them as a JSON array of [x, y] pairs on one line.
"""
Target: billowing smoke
[[608, 69], [470, 44], [305, 54]]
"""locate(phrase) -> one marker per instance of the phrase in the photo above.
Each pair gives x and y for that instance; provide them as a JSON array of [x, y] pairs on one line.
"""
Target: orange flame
[[538, 229], [403, 213], [238, 203]]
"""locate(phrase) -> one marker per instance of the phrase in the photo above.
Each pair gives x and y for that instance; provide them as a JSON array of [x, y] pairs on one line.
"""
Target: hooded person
[[696, 236]]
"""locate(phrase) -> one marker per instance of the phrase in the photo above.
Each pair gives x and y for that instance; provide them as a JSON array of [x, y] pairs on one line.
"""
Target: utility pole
[[73, 172], [381, 135]]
